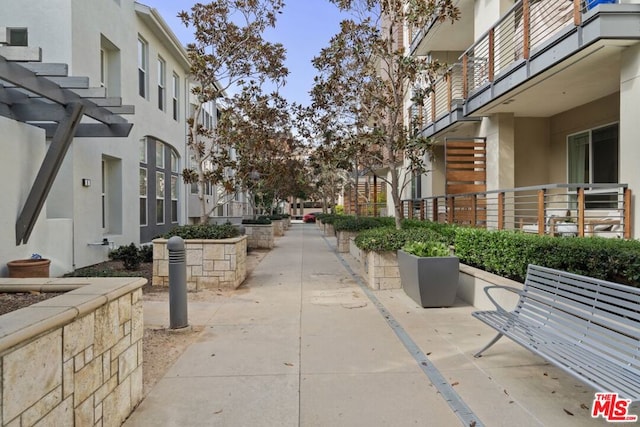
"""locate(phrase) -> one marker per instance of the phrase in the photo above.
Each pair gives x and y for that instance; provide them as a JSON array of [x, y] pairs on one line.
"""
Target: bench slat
[[588, 327]]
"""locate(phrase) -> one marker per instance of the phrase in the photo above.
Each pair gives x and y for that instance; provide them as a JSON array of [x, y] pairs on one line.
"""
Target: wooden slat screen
[[466, 172]]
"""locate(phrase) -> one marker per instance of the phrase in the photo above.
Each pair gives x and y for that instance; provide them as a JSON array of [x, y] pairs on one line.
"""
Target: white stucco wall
[[70, 32]]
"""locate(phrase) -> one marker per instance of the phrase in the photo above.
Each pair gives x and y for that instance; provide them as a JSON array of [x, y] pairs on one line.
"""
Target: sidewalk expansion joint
[[453, 399]]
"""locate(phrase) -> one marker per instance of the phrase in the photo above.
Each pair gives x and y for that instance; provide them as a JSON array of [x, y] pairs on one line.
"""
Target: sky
[[304, 27]]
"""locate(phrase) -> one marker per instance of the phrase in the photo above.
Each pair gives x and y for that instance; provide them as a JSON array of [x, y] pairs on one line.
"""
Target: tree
[[268, 161], [366, 74], [229, 51]]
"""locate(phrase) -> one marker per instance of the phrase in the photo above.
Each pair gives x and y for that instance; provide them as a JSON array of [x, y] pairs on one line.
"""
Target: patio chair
[[556, 224]]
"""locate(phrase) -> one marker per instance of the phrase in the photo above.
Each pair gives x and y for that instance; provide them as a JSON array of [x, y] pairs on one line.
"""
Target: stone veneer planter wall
[[381, 270], [210, 263], [329, 230], [278, 227], [75, 359], [259, 236], [355, 250], [343, 238]]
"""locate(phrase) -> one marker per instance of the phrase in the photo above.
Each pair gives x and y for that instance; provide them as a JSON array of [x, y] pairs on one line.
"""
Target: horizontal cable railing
[[524, 28], [555, 209], [439, 102]]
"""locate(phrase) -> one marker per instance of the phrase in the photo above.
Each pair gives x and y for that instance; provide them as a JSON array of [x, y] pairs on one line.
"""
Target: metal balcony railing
[[527, 26], [553, 209], [440, 101]]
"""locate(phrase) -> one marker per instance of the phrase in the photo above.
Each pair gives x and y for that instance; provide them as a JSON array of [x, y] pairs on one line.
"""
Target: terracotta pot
[[29, 268]]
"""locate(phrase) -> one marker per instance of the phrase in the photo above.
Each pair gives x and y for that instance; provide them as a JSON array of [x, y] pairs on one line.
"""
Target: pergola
[[44, 95]]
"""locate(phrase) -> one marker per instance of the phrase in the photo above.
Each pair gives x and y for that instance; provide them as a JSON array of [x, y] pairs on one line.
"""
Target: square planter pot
[[431, 282]]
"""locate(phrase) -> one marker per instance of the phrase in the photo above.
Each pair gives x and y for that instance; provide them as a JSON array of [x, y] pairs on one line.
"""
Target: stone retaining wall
[[381, 270], [210, 263], [75, 359], [342, 240], [259, 236], [278, 227]]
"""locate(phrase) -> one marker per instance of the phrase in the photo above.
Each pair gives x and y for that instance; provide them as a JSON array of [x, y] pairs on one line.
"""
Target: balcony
[[581, 210], [534, 52]]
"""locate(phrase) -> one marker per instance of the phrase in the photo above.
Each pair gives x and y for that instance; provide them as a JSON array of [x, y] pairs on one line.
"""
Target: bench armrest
[[499, 308]]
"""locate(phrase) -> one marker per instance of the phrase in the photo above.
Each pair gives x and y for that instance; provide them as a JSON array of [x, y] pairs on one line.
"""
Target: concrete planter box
[[75, 359], [278, 227], [211, 264], [381, 270], [473, 282], [432, 281], [259, 236], [342, 240], [287, 223]]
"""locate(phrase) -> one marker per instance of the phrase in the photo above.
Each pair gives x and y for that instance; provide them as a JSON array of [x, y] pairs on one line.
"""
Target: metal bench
[[589, 328]]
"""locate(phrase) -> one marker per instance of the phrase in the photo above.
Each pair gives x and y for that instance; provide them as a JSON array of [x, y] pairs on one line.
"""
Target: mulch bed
[[11, 301]]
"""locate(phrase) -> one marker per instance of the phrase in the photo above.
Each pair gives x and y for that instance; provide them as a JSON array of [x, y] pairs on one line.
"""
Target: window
[[593, 156], [160, 183], [143, 196], [161, 83], [174, 198], [593, 159], [159, 155], [110, 67], [174, 162], [175, 93], [18, 37], [103, 68], [143, 54], [143, 150], [111, 195], [103, 194]]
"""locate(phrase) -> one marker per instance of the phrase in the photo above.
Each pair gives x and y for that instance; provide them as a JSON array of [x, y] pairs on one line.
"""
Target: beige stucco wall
[[532, 151], [597, 113], [630, 127]]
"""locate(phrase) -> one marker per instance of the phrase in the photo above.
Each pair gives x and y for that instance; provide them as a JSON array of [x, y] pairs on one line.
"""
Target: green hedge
[[204, 231], [507, 253], [448, 231], [351, 223], [389, 239], [330, 218], [263, 220]]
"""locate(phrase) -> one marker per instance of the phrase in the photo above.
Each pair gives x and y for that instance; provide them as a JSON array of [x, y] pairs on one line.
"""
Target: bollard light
[[177, 283]]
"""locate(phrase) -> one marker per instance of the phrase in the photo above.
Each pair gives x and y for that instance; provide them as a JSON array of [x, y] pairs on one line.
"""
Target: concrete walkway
[[301, 343]]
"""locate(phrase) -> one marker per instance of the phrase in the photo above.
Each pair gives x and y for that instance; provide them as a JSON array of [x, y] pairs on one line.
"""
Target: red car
[[310, 217]]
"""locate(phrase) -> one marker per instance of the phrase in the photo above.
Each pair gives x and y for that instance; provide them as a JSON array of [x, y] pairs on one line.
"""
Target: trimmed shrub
[[507, 253], [446, 230], [130, 256], [330, 218], [426, 249], [263, 220], [204, 231], [351, 223], [385, 239]]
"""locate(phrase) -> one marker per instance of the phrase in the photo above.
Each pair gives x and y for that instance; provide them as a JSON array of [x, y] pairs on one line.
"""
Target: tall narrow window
[[174, 198], [160, 183], [103, 68], [143, 150], [175, 93], [103, 195], [161, 83], [143, 55], [159, 155], [143, 196]]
